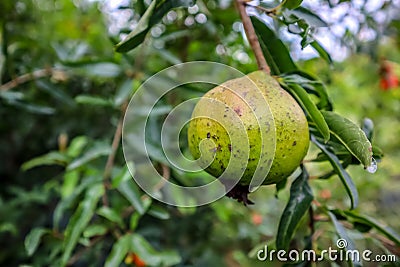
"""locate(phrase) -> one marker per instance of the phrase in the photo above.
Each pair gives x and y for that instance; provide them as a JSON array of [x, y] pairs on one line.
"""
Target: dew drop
[[373, 167]]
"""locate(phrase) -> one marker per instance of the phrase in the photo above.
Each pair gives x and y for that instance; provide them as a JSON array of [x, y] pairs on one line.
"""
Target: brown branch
[[166, 173], [114, 147], [252, 37], [37, 74]]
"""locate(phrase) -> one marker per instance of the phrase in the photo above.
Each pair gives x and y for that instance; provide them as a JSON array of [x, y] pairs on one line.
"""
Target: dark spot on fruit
[[294, 143], [238, 111], [225, 116], [219, 148], [208, 135], [230, 147], [208, 124]]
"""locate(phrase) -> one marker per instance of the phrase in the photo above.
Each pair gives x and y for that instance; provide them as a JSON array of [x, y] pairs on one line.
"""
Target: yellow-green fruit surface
[[211, 121]]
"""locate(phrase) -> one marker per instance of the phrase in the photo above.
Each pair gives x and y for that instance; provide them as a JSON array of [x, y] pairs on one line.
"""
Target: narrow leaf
[[159, 212], [52, 158], [153, 15], [351, 136], [387, 231], [321, 51], [137, 36], [131, 192], [91, 154], [152, 257], [32, 240], [341, 172], [80, 219], [311, 109], [309, 17], [292, 4], [110, 215], [299, 202], [311, 85], [119, 251], [93, 100], [275, 51], [94, 230], [342, 233]]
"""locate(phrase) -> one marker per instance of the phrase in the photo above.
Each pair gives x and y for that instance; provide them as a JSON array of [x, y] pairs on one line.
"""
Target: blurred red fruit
[[388, 79], [256, 218]]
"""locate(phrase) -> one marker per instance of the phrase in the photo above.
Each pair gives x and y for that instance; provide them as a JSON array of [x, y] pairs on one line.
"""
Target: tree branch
[[37, 74], [114, 147], [252, 37]]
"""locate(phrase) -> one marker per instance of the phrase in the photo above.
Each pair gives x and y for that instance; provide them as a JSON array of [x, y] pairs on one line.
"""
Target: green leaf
[[131, 192], [309, 106], [93, 153], [52, 158], [80, 219], [343, 175], [110, 215], [153, 15], [123, 175], [385, 230], [32, 240], [309, 17], [119, 251], [342, 233], [311, 85], [68, 202], [71, 179], [10, 96], [8, 227], [377, 153], [275, 51], [299, 202], [95, 230], [134, 220], [98, 69], [351, 136], [292, 4], [321, 51], [158, 212], [76, 146], [150, 256], [33, 108], [137, 36], [93, 100]]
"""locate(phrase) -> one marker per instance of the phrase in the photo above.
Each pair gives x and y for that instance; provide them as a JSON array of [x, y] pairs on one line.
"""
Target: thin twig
[[114, 147], [311, 223], [252, 37], [166, 173], [268, 11], [37, 74]]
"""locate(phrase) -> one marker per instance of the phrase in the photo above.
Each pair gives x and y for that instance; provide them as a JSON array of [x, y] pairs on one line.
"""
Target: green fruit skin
[[291, 129]]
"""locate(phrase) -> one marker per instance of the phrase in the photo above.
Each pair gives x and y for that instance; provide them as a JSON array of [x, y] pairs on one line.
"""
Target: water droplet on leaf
[[373, 167]]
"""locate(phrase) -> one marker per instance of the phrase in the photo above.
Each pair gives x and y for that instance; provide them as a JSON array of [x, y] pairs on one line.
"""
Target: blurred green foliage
[[61, 205]]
